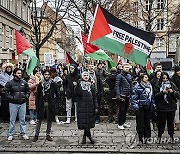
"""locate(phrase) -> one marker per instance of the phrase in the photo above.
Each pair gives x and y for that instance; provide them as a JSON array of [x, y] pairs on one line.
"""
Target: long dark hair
[[162, 74]]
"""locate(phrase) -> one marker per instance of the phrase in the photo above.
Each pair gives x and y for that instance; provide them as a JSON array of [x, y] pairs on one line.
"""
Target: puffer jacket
[[111, 81], [17, 91], [123, 85], [140, 98]]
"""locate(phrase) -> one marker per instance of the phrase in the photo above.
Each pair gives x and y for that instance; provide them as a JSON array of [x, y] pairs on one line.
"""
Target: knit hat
[[53, 70], [176, 69]]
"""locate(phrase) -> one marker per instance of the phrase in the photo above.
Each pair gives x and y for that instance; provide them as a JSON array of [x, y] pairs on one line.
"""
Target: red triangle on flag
[[21, 43], [148, 65], [67, 59], [100, 26], [88, 48]]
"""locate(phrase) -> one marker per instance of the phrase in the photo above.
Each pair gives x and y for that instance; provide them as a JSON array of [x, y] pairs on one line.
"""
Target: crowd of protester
[[154, 98]]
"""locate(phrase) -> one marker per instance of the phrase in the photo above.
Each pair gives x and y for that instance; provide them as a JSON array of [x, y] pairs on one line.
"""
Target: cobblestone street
[[67, 138]]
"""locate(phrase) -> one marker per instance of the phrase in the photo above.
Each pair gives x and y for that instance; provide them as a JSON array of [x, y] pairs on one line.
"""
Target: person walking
[[86, 106], [47, 96], [142, 100], [17, 92], [166, 94], [123, 88], [5, 76]]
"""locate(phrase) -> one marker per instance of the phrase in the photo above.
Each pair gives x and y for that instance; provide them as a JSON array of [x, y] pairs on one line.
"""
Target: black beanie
[[176, 69]]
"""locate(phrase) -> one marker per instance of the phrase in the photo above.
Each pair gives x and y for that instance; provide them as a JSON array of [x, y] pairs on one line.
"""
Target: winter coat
[[111, 81], [176, 80], [33, 88], [53, 98], [140, 98], [162, 105], [68, 84], [123, 86], [17, 91], [86, 105]]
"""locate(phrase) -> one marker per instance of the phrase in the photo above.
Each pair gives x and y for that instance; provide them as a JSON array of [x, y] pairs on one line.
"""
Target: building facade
[[14, 14]]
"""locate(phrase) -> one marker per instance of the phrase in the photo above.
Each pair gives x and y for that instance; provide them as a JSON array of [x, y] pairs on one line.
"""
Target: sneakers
[[32, 122], [126, 126], [10, 138], [68, 121], [121, 127], [25, 137], [57, 120]]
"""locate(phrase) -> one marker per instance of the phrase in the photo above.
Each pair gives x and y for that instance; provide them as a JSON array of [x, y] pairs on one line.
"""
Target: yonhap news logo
[[132, 140]]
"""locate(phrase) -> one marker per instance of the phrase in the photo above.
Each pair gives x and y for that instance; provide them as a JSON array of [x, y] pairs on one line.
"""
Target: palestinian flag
[[149, 67], [112, 34], [25, 49], [94, 52], [69, 60]]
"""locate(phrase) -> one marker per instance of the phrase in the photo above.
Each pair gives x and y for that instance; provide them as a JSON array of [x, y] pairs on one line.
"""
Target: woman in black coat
[[86, 106], [166, 94]]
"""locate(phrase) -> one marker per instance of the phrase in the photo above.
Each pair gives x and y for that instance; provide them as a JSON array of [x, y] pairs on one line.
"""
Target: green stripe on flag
[[116, 47]]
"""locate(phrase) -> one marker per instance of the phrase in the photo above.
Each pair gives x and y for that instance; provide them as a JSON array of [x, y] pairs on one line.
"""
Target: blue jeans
[[32, 114], [19, 109]]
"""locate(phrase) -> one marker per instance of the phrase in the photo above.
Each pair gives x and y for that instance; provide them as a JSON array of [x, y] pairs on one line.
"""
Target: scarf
[[148, 89], [164, 86], [46, 85], [86, 85]]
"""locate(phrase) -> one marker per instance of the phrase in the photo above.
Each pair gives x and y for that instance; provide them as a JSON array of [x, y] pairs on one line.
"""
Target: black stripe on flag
[[112, 20]]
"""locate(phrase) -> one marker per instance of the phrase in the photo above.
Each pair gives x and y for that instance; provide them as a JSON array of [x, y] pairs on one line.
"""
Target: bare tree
[[52, 11]]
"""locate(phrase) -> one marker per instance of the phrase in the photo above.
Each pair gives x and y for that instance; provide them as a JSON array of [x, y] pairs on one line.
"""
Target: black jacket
[[17, 91], [68, 84], [123, 85], [111, 81], [53, 99], [161, 104], [86, 105], [176, 80]]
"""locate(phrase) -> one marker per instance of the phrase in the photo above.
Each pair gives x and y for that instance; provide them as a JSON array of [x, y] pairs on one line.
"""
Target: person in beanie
[[17, 92], [69, 83], [5, 76], [123, 88], [142, 100], [113, 107], [166, 94], [176, 80], [47, 96], [86, 106]]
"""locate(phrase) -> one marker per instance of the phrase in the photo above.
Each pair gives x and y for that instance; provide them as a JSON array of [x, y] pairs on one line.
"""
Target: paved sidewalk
[[67, 139]]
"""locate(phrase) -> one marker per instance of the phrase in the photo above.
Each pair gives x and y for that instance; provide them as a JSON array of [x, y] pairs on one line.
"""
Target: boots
[[35, 138], [91, 140], [83, 140], [49, 138]]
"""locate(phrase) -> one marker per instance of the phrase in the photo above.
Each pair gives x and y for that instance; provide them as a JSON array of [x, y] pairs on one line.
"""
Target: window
[[159, 43], [8, 4], [148, 26], [19, 9], [11, 38], [160, 4], [148, 5], [136, 6], [3, 36], [136, 24], [23, 11], [160, 24]]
